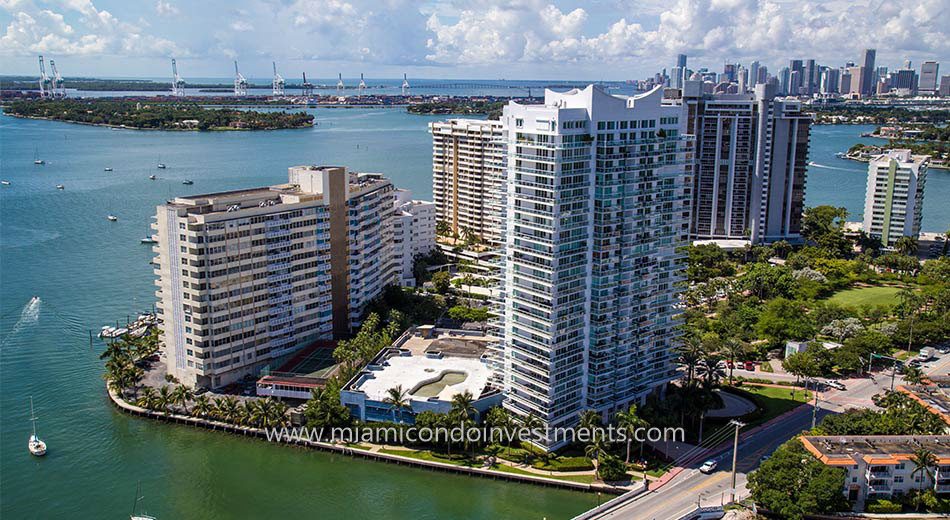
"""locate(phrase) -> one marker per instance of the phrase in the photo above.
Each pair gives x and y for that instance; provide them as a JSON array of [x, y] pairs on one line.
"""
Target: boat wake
[[826, 167], [28, 317]]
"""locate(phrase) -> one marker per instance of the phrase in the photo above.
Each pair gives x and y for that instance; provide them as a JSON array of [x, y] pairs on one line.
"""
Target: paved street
[[689, 488]]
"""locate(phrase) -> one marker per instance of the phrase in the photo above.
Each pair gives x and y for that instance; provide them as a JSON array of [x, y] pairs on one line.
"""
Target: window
[[519, 123]]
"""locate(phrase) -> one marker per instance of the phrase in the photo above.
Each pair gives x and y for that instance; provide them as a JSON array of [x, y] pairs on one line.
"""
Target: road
[[691, 488]]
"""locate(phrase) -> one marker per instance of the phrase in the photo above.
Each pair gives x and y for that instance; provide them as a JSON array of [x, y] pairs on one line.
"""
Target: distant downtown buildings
[[597, 205], [895, 195], [248, 276]]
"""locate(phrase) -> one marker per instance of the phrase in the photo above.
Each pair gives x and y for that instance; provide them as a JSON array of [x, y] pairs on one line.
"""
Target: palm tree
[[531, 423], [181, 395], [906, 246], [164, 399], [733, 349], [913, 375], [589, 420], [630, 421], [924, 460], [690, 353], [463, 407], [397, 399], [202, 407], [709, 370], [227, 409], [596, 449], [910, 305], [147, 399]]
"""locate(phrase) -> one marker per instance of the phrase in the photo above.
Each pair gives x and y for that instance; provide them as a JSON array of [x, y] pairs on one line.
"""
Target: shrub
[[883, 506]]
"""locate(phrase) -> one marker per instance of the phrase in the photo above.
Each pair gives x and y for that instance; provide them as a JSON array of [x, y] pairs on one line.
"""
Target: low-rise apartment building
[[246, 277], [881, 466]]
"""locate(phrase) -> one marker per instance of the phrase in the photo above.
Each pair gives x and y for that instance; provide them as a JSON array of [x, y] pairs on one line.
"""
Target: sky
[[485, 39]]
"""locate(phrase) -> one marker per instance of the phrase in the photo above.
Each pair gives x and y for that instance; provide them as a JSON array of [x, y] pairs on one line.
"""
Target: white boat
[[112, 218], [151, 177], [36, 157], [161, 166], [148, 239], [60, 187], [188, 182], [37, 447], [138, 496], [5, 183], [107, 169]]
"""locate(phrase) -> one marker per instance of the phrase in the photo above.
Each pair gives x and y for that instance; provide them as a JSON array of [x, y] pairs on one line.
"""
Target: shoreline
[[124, 127], [249, 431]]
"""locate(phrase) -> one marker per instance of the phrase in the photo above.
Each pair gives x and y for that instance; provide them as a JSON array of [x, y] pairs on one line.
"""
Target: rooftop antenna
[[339, 85], [278, 85], [405, 85], [44, 81], [362, 85], [240, 83], [307, 86], [178, 84], [57, 88]]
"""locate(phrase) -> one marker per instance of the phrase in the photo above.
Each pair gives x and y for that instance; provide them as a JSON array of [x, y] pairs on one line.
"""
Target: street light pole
[[814, 411], [735, 451]]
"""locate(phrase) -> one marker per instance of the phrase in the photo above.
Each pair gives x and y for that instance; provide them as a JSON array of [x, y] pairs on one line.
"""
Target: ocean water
[[88, 272]]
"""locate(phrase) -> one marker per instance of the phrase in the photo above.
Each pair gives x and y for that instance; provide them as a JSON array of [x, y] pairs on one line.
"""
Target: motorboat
[[60, 187], [5, 183], [107, 169], [112, 218], [188, 182], [151, 177]]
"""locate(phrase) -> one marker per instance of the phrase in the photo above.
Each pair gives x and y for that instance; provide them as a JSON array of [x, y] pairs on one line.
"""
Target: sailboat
[[138, 497], [37, 446], [36, 157], [161, 165]]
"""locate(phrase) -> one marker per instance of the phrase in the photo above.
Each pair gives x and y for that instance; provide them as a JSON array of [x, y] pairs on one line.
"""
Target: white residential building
[[246, 277], [597, 203], [468, 161], [413, 233], [881, 466], [894, 199]]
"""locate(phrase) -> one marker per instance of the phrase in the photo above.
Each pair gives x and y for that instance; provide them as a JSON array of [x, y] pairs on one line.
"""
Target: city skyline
[[613, 40]]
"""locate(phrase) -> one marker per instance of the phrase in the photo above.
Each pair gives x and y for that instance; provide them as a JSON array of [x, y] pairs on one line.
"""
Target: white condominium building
[[468, 161], [597, 205], [413, 234], [894, 199], [246, 277]]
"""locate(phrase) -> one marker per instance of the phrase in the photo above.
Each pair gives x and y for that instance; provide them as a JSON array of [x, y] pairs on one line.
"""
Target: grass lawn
[[874, 296], [456, 459], [583, 479], [773, 401]]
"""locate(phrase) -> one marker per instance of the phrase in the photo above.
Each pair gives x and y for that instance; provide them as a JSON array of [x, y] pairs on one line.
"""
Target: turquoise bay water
[[88, 271]]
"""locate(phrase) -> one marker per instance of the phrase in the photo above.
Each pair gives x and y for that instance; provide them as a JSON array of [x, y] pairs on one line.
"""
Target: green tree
[[629, 421], [906, 246], [824, 226], [913, 375], [792, 483], [924, 461], [398, 400], [441, 282], [783, 320]]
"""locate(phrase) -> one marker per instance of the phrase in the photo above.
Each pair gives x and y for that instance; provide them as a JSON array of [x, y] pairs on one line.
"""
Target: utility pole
[[814, 411], [735, 452]]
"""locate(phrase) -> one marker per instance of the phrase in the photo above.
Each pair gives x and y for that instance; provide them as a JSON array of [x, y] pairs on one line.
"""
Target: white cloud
[[94, 32], [241, 26], [165, 8], [536, 31]]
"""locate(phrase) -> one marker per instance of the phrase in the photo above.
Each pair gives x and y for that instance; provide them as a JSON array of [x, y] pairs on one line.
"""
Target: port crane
[[307, 86], [45, 87], [278, 84], [362, 85], [57, 87], [178, 84], [405, 85], [240, 82], [339, 85]]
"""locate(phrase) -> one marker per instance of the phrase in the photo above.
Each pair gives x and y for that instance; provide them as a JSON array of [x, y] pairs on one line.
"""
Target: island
[[460, 106], [155, 115]]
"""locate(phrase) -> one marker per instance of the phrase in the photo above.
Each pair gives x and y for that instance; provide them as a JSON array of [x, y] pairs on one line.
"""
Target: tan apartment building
[[468, 159], [247, 277]]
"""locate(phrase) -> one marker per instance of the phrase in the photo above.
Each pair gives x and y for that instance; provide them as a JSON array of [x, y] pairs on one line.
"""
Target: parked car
[[201, 391], [729, 364], [945, 349], [708, 467], [750, 366], [764, 458], [837, 385]]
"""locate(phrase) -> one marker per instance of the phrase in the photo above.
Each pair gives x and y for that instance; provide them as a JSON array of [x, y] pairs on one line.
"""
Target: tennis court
[[315, 363]]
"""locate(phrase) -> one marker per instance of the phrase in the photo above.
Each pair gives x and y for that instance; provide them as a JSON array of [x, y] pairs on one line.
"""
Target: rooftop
[[428, 363], [934, 398], [847, 450]]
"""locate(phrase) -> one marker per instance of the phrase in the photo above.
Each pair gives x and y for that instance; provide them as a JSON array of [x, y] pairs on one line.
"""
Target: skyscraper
[[785, 80], [729, 72], [752, 153], [796, 76], [598, 203], [467, 168], [681, 61], [246, 277], [810, 80], [868, 79], [929, 71], [754, 75], [894, 199]]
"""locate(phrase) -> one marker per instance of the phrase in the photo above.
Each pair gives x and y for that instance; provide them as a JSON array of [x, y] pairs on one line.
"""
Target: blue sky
[[523, 39]]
